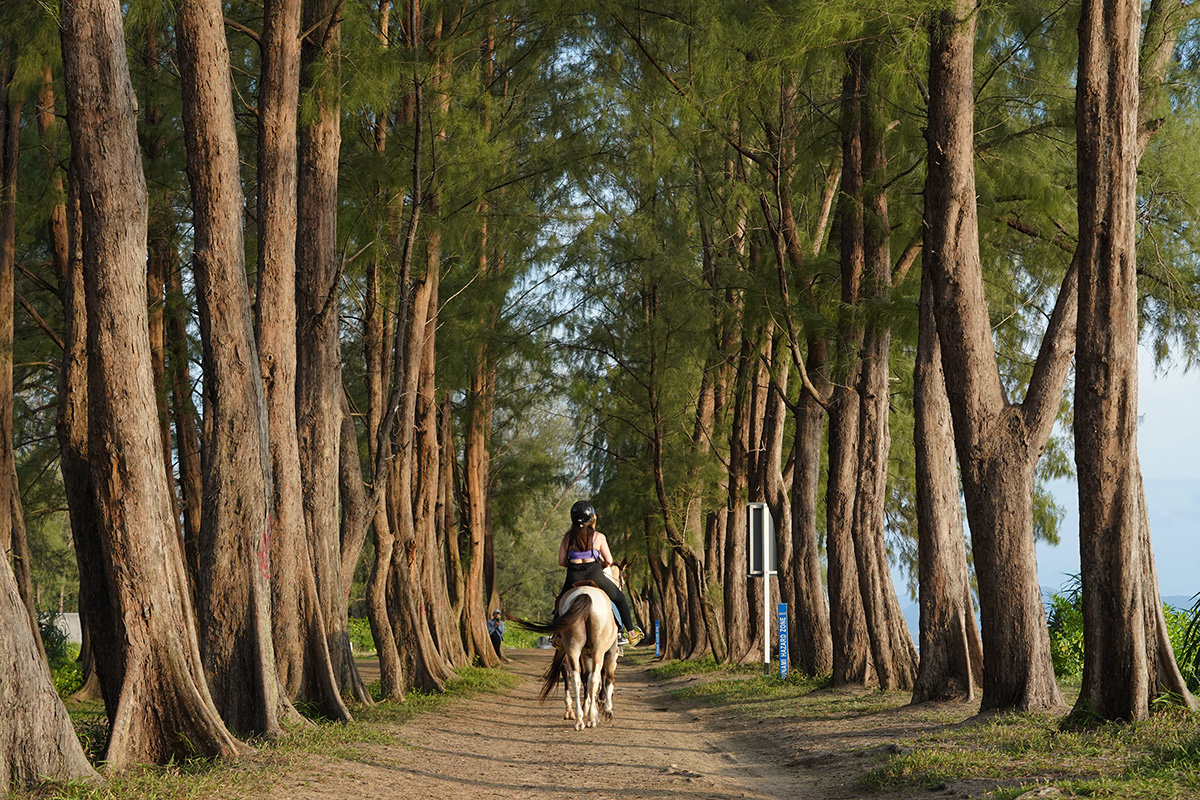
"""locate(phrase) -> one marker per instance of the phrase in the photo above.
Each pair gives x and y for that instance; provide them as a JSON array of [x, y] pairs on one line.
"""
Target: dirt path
[[512, 746]]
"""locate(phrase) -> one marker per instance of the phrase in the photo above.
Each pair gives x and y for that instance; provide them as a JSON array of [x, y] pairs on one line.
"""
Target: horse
[[587, 661]]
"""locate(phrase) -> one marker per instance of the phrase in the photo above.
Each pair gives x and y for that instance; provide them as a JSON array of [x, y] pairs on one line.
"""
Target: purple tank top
[[572, 555]]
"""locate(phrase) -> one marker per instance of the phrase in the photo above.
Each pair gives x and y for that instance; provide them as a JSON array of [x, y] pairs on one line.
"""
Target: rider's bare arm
[[602, 545]]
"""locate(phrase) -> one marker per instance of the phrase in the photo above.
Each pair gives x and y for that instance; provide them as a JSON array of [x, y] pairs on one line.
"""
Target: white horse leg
[[593, 694]]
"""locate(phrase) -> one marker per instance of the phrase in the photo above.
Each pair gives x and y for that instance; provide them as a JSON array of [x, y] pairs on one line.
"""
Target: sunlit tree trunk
[[158, 701], [998, 442], [37, 737], [892, 652], [1124, 666], [951, 665]]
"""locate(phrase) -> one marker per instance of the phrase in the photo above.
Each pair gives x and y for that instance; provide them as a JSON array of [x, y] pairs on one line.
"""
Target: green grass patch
[[1158, 759], [702, 666]]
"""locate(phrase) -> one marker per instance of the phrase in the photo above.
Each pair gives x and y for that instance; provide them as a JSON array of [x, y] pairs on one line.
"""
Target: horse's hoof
[[579, 725]]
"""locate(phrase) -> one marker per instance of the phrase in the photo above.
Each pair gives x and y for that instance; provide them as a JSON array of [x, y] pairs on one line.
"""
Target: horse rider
[[584, 552]]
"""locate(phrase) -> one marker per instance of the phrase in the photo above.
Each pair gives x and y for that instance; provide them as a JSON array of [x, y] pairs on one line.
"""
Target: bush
[[61, 654], [1065, 620], [361, 639]]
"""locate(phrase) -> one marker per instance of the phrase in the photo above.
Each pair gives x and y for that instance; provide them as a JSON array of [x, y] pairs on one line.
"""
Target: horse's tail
[[580, 609]]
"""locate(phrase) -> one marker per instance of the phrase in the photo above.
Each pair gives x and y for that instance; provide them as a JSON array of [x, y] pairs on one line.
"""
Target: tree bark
[[37, 737], [318, 351], [810, 643], [892, 652], [275, 332], [737, 607], [951, 665], [183, 413], [13, 537], [847, 620], [158, 702], [1121, 607], [998, 443], [233, 584]]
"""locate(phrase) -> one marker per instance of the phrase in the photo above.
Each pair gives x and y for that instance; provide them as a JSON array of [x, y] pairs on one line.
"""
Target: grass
[[1158, 759], [206, 778]]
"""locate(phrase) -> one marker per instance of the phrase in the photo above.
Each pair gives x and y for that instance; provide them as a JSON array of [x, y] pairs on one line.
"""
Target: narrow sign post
[[783, 642], [761, 561]]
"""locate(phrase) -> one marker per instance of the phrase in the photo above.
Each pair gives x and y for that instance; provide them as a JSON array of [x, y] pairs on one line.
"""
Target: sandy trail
[[512, 746]]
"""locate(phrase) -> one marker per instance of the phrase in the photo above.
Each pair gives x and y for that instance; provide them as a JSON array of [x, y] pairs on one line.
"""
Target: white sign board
[[760, 539]]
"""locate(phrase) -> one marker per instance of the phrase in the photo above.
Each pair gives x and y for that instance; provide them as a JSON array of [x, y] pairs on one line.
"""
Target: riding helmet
[[582, 512]]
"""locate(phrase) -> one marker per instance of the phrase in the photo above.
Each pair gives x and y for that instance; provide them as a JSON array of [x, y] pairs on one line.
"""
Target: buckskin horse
[[586, 660]]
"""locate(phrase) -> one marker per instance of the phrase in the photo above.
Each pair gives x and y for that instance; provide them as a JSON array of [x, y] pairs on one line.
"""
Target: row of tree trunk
[[965, 425], [207, 619]]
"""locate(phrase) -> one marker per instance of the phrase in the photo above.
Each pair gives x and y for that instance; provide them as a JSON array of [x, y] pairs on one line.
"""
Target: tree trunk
[[183, 412], [275, 331], [476, 461], [354, 523], [998, 443], [435, 539], [737, 607], [37, 737], [1121, 606], [155, 692], [892, 652], [847, 620], [810, 643], [318, 348], [13, 538], [377, 343], [233, 585], [95, 614], [951, 665]]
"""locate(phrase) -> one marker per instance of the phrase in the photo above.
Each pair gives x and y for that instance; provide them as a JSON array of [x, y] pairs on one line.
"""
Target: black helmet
[[582, 512]]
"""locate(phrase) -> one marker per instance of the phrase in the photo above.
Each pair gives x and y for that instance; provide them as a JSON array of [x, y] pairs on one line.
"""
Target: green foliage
[[1065, 620], [61, 654], [360, 635], [517, 637], [1187, 648]]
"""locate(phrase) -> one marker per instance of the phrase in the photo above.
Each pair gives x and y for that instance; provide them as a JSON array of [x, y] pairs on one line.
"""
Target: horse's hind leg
[[566, 682], [609, 672], [593, 697], [577, 690]]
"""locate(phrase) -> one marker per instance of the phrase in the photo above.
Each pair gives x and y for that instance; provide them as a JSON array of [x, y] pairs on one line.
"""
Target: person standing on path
[[495, 628]]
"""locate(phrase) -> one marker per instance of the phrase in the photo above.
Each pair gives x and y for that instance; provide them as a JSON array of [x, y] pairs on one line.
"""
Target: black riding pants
[[594, 571]]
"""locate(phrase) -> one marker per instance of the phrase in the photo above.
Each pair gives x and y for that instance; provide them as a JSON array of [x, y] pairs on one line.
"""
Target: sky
[[1169, 447]]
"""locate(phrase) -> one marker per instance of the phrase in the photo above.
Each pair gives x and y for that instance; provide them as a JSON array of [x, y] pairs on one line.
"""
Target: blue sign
[[783, 642], [657, 645]]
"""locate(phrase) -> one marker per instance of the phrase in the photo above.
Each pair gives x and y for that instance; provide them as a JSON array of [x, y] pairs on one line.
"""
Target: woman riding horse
[[584, 552]]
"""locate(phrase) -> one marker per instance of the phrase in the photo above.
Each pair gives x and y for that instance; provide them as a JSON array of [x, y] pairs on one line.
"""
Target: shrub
[[1064, 617], [61, 654], [360, 635]]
